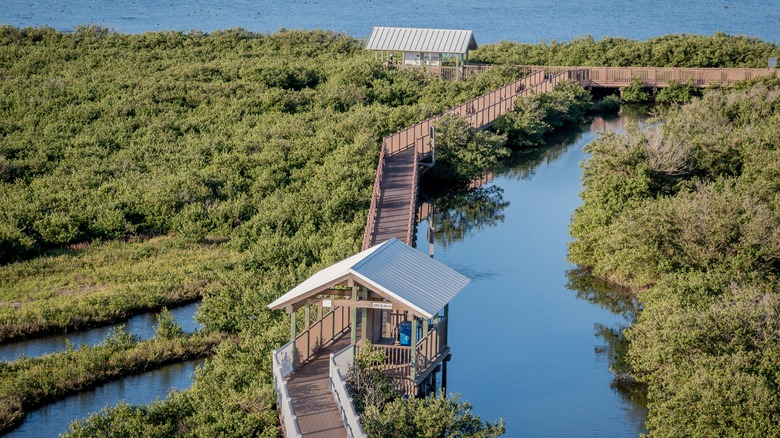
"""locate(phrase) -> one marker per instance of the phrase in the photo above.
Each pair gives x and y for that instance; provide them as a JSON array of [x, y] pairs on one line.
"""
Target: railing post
[[353, 316], [413, 362]]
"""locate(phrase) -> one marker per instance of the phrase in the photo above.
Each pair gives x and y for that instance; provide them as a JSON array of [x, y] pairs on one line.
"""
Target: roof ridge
[[382, 247]]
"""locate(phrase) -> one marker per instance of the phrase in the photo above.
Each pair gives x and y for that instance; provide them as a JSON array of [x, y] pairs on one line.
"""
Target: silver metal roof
[[393, 270], [407, 39]]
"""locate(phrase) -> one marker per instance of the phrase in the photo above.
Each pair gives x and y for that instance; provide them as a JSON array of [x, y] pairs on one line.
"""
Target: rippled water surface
[[491, 20]]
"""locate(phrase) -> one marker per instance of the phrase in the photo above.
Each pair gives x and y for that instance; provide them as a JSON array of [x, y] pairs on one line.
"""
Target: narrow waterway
[[55, 418], [532, 343], [142, 326]]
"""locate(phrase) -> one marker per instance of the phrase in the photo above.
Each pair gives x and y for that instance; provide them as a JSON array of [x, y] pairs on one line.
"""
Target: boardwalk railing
[[481, 112], [339, 367], [320, 334], [283, 365], [612, 77], [375, 194]]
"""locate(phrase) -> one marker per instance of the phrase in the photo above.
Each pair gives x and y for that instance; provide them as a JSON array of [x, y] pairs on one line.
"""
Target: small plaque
[[327, 303], [772, 62], [386, 306]]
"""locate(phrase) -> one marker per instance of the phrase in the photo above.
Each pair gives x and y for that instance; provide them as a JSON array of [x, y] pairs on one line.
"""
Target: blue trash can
[[406, 333]]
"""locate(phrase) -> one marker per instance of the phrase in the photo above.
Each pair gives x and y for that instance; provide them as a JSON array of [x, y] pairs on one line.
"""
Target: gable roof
[[408, 39], [393, 270]]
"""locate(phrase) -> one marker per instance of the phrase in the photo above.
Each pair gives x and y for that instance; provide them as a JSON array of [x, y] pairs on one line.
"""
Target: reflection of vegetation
[[613, 298], [621, 302], [615, 348], [459, 213]]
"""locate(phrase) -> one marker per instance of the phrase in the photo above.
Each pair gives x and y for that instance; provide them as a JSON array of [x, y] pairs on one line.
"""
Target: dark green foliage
[[384, 414], [463, 152], [366, 383], [429, 417], [677, 93], [686, 211], [635, 93], [539, 114], [167, 327], [681, 50]]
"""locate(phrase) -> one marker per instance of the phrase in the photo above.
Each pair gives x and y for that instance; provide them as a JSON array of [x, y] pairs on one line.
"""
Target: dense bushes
[[718, 50], [256, 153], [687, 211]]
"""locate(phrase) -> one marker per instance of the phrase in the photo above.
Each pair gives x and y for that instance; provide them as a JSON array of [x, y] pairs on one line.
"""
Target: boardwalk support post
[[413, 364]]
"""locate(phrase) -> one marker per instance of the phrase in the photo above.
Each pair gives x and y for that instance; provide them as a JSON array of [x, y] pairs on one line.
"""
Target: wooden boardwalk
[[394, 208], [312, 400], [396, 197]]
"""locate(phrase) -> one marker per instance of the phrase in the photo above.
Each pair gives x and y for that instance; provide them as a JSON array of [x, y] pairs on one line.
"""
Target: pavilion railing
[[320, 334], [429, 352]]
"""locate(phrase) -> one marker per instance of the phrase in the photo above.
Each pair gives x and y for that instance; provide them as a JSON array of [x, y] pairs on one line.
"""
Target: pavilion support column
[[353, 316], [446, 323], [413, 364], [364, 318], [427, 347], [292, 339], [307, 318], [457, 67]]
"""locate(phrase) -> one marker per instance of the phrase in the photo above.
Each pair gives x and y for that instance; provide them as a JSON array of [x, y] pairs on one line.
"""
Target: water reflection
[[456, 215], [522, 345], [142, 326], [614, 348]]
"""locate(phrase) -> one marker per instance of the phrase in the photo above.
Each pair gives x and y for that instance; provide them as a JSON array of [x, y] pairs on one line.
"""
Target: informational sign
[[327, 303], [772, 62], [387, 306]]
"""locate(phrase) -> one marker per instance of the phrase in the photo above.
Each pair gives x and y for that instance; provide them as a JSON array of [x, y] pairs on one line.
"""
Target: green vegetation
[[718, 50], [100, 283], [28, 383], [384, 414], [230, 165], [687, 212]]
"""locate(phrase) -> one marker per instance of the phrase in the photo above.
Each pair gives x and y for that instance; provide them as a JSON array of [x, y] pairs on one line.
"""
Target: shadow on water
[[142, 326]]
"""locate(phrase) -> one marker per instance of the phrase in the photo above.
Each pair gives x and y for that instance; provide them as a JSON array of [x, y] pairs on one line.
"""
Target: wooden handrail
[[375, 193]]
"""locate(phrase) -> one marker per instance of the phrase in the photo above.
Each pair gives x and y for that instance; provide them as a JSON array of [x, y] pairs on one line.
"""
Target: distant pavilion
[[422, 47]]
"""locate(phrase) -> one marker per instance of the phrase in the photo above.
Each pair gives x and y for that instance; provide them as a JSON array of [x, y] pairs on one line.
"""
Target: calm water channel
[[491, 20], [142, 326], [53, 419], [527, 345]]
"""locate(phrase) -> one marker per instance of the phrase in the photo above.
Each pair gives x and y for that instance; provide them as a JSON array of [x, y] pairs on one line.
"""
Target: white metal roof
[[392, 269], [407, 39]]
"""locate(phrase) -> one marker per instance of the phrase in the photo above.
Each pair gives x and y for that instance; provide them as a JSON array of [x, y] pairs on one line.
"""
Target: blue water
[[142, 326], [54, 419], [491, 20], [524, 346]]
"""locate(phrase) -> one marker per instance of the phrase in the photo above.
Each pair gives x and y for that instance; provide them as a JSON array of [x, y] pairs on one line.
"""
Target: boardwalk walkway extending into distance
[[306, 400], [394, 199]]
